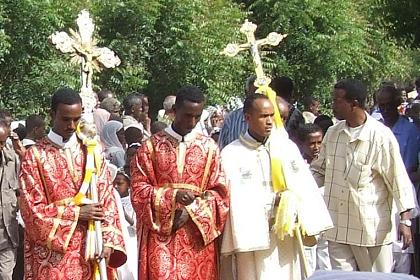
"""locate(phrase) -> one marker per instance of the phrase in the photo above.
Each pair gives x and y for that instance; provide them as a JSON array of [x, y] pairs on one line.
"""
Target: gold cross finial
[[273, 39], [83, 51]]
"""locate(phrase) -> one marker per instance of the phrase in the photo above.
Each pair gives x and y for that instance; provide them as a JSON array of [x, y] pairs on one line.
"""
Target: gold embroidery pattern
[[38, 164], [57, 221], [73, 227], [159, 195], [182, 186], [207, 168]]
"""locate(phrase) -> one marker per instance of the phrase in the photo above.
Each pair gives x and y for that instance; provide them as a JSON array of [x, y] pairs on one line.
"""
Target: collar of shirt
[[252, 143], [186, 138], [58, 140], [365, 130], [28, 142]]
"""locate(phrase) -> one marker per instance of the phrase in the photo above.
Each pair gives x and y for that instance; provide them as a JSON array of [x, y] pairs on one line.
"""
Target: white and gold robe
[[257, 252]]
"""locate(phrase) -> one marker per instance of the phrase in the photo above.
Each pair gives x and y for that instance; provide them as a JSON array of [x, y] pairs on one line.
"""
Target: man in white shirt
[[363, 174], [248, 235]]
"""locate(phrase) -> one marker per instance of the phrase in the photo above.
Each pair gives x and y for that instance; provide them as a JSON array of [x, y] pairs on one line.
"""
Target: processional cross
[[83, 50], [262, 83], [273, 39]]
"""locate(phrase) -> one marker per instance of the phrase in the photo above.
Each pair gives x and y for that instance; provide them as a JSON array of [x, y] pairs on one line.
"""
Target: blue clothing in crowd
[[408, 138], [233, 126]]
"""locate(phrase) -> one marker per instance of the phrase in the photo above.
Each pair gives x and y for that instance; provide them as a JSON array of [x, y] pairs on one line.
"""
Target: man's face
[[65, 119], [145, 105], [137, 109], [314, 108], [387, 105], [312, 144], [121, 137], [260, 118], [340, 105], [187, 116], [39, 131], [283, 109], [216, 120], [4, 134]]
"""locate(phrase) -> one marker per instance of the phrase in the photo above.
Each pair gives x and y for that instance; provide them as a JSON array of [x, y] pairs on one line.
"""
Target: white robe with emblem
[[257, 252]]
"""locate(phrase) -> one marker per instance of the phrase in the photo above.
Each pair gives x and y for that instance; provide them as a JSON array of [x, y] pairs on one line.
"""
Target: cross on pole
[[83, 50], [273, 39]]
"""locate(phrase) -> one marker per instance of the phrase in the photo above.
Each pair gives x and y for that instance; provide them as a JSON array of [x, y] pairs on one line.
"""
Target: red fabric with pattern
[[49, 226], [190, 252]]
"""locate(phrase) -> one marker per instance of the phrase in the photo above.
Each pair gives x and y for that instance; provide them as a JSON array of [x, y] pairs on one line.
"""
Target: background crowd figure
[[125, 125]]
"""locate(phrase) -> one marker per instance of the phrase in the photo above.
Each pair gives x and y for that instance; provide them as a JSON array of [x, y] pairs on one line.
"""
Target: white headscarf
[[114, 151], [109, 134]]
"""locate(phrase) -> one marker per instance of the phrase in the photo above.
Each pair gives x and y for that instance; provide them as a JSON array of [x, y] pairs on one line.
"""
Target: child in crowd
[[129, 271]]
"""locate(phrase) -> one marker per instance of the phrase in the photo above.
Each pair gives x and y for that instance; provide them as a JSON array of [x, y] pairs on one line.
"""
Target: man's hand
[[106, 253], [405, 233], [17, 145], [180, 218], [184, 197], [91, 212]]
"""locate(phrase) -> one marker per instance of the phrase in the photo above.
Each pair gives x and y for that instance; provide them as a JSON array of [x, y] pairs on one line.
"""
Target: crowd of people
[[268, 190]]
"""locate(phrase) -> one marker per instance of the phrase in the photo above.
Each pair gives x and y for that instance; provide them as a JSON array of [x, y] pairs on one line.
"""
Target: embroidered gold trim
[[60, 211], [38, 161], [73, 227], [115, 248], [111, 229], [182, 186], [207, 167], [151, 149], [173, 204], [196, 222], [159, 195]]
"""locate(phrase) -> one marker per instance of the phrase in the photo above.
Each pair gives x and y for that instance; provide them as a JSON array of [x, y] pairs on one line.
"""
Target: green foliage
[[328, 41], [164, 44], [400, 18]]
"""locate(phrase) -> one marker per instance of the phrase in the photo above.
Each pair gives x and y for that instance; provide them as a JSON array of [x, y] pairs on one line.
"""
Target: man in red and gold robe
[[51, 174], [180, 197]]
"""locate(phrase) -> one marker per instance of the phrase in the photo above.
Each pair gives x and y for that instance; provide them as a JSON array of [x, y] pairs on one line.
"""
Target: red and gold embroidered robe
[[54, 238], [190, 252]]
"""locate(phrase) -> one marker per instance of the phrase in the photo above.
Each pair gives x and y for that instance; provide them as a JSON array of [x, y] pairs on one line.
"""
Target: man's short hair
[[354, 89], [249, 101], [305, 129], [4, 124], [104, 93], [33, 121], [417, 82], [188, 93], [129, 101], [308, 101], [133, 134], [324, 122], [65, 96], [169, 102], [283, 86], [395, 93], [249, 83], [157, 126], [110, 104], [4, 113]]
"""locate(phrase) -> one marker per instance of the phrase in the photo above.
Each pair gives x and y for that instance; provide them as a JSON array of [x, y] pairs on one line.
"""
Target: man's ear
[[247, 117], [355, 103], [52, 114]]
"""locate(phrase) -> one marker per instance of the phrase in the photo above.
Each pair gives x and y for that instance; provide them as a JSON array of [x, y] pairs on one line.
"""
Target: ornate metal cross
[[83, 50], [273, 39]]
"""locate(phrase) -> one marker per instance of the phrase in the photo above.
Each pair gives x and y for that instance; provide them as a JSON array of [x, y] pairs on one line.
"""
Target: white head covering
[[109, 134]]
